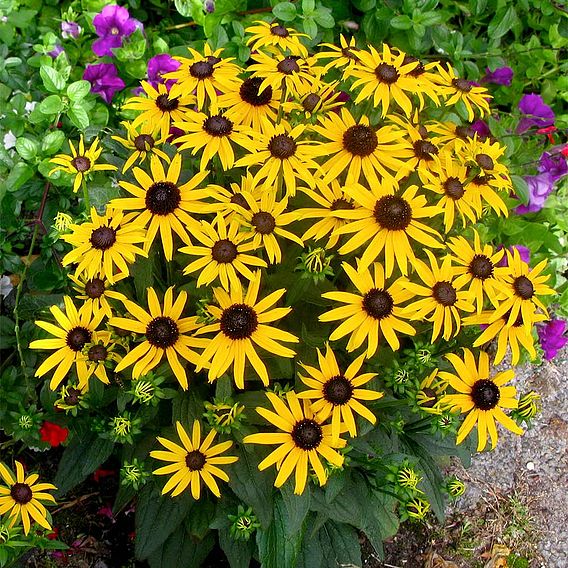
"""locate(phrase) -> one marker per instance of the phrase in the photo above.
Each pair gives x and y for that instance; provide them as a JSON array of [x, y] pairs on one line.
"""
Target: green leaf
[[197, 524], [53, 81], [7, 334], [308, 6], [521, 188], [187, 407], [83, 456], [27, 148], [238, 552], [78, 90], [310, 27], [285, 11], [51, 105], [78, 116], [364, 5], [52, 142], [324, 18], [19, 175], [31, 304], [401, 22], [501, 23], [296, 506], [157, 517]]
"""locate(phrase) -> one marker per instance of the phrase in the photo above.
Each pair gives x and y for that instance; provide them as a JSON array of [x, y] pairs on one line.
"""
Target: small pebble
[[530, 465]]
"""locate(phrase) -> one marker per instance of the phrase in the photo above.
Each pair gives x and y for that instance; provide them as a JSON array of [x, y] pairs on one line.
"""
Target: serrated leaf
[[52, 142], [27, 148], [19, 175], [78, 116], [501, 23], [32, 304], [285, 11], [78, 90], [53, 81], [51, 105]]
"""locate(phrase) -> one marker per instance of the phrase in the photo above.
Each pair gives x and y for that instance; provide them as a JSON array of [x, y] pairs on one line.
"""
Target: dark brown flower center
[[165, 104], [143, 142], [279, 30], [453, 188], [238, 321], [162, 332], [464, 132], [393, 213], [218, 126], [378, 303], [201, 69], [282, 146], [81, 163], [481, 267], [360, 140], [224, 251], [424, 150], [102, 238], [97, 353], [348, 52], [94, 288], [430, 396], [485, 394], [239, 199], [307, 434], [386, 73], [162, 198], [21, 493], [341, 203], [263, 222], [462, 85], [288, 66], [482, 179], [77, 338], [338, 390], [523, 287], [484, 161], [213, 60], [195, 460], [249, 92], [311, 102], [418, 70], [73, 397], [444, 293]]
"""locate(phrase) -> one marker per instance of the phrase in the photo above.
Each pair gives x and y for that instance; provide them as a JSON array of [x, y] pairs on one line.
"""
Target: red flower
[[53, 535], [53, 433], [102, 473]]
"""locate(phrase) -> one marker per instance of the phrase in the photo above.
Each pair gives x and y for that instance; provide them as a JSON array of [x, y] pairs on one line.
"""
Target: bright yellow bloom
[[344, 55], [96, 291], [310, 101], [430, 392], [192, 462], [304, 439], [98, 354], [276, 39], [23, 498]]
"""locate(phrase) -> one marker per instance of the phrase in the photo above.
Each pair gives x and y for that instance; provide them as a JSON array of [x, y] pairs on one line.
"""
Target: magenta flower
[[70, 29], [552, 337], [482, 129], [157, 66], [501, 76], [524, 253], [540, 187], [554, 165], [104, 80], [537, 113], [55, 51], [111, 25]]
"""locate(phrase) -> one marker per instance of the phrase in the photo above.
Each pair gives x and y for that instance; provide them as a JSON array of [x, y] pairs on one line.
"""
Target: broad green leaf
[[521, 188], [323, 18], [296, 506], [27, 148], [31, 304], [52, 142], [364, 5], [501, 23], [53, 81], [19, 175], [78, 116], [401, 22], [51, 105], [238, 552], [310, 27], [285, 11], [78, 90]]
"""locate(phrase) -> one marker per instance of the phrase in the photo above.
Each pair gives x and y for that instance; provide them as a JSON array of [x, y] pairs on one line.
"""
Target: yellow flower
[[165, 332], [373, 312], [98, 354], [344, 55], [164, 205], [23, 498], [430, 392], [241, 323], [106, 241], [223, 253], [75, 330], [481, 396], [275, 38], [304, 439], [192, 462], [96, 291], [313, 101], [226, 197], [81, 162], [338, 394]]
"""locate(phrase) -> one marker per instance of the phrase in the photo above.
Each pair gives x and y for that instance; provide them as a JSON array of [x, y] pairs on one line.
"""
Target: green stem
[[86, 197]]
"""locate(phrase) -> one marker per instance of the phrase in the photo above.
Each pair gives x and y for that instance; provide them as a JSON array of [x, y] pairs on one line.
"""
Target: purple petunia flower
[[538, 113], [540, 187], [501, 76], [104, 80], [70, 29], [555, 165], [209, 6], [55, 51], [157, 66], [552, 337], [482, 129], [524, 253], [111, 25]]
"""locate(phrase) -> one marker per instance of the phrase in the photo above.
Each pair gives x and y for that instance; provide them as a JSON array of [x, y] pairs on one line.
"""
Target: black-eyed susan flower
[[478, 266], [106, 241], [249, 107], [206, 74], [97, 291], [314, 101], [456, 89], [384, 77], [160, 107], [81, 162], [192, 462], [166, 334], [226, 197], [441, 300], [241, 322], [522, 287], [482, 396], [214, 134], [448, 133], [341, 56], [223, 254], [99, 355], [370, 314], [75, 329], [141, 142], [337, 394], [161, 203], [332, 198], [22, 499], [281, 155], [266, 219], [483, 155], [360, 149], [275, 38], [383, 221], [430, 392], [304, 440]]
